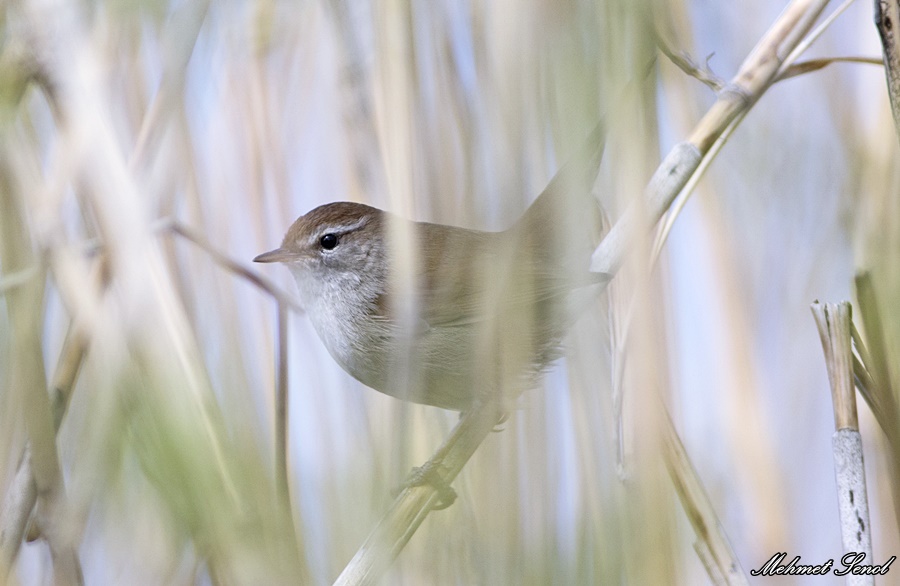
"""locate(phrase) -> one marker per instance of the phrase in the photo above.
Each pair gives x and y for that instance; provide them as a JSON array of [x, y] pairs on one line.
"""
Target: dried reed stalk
[[712, 545], [873, 378], [111, 195], [758, 72], [43, 485], [834, 323]]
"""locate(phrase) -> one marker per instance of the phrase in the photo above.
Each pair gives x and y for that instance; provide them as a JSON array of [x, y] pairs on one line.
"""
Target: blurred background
[[234, 118]]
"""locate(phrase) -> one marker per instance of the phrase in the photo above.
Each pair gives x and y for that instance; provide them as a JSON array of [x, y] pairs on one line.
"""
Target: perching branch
[[415, 502]]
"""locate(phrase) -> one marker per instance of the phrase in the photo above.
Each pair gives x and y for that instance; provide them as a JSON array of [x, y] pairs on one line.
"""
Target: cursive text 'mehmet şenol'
[[851, 564]]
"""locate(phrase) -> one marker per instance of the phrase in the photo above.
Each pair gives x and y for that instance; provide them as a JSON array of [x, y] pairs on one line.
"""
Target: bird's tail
[[571, 186], [566, 222]]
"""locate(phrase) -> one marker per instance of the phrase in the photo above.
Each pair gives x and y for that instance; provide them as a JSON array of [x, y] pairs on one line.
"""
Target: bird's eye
[[328, 241]]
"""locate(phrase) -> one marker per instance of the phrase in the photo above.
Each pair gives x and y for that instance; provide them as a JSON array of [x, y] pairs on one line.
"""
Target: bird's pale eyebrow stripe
[[344, 228]]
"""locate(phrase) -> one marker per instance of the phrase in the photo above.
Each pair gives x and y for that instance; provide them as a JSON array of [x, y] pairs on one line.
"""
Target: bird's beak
[[277, 255]]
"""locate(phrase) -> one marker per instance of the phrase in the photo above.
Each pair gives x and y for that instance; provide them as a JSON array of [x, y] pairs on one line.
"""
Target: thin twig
[[817, 64], [95, 245], [281, 408], [684, 62], [234, 266], [284, 302]]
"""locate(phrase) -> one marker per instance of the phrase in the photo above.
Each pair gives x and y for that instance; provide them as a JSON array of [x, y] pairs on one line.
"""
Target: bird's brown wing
[[454, 286], [470, 274]]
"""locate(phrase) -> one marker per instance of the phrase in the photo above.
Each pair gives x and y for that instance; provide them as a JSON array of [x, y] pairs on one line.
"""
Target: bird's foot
[[430, 475]]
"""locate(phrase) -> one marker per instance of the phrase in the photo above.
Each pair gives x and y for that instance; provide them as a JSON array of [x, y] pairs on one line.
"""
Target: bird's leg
[[498, 427], [434, 472]]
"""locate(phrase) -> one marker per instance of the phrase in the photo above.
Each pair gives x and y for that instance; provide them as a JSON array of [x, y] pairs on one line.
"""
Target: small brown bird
[[477, 316]]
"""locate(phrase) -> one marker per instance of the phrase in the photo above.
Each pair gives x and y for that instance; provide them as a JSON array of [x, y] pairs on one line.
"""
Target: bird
[[443, 315]]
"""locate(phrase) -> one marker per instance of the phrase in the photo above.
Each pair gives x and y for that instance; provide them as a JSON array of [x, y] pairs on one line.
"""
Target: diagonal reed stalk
[[758, 72]]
